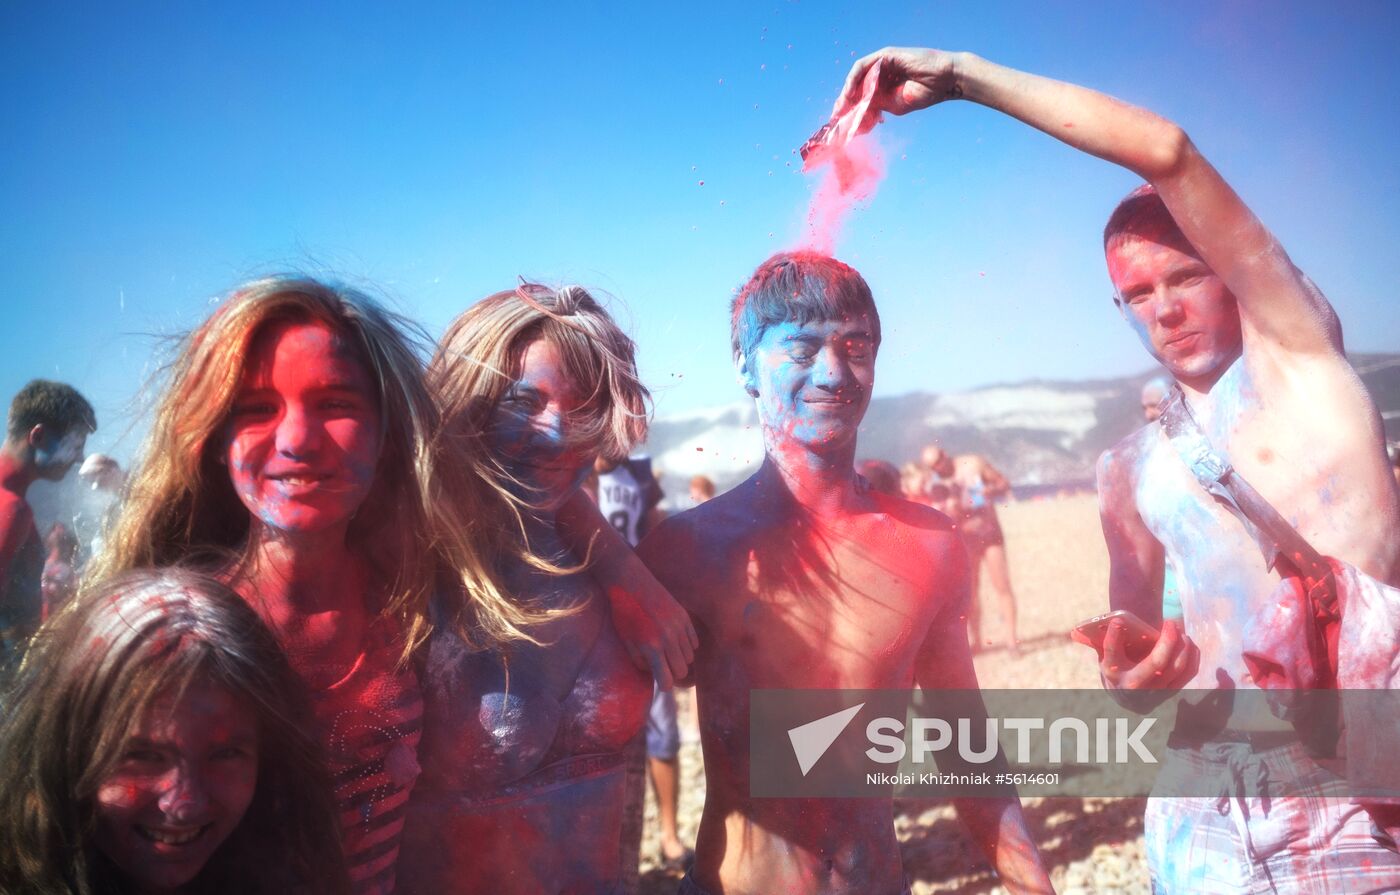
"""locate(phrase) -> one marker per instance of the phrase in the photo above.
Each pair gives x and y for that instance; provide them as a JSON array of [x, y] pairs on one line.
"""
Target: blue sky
[[154, 155]]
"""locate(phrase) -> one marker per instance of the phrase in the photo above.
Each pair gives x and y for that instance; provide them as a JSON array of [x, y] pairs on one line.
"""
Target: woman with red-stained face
[[304, 435], [292, 456], [156, 738]]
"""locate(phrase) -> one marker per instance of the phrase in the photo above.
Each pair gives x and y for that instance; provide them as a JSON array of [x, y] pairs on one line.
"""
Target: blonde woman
[[156, 741], [523, 746]]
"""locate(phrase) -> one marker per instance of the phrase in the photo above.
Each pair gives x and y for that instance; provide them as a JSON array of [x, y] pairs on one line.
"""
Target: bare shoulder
[[687, 549], [921, 521], [1126, 457], [922, 535], [1120, 469]]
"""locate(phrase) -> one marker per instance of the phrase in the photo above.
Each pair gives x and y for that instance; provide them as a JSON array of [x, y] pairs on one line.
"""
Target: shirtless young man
[[1257, 351], [800, 579], [48, 424], [977, 483]]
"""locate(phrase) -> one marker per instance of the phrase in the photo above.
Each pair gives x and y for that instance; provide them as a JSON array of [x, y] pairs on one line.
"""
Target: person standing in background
[[105, 480], [48, 426], [1153, 391], [979, 483], [881, 475], [60, 579]]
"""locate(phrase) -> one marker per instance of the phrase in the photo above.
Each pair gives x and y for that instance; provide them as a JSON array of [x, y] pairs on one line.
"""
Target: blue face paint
[[812, 380], [55, 456], [530, 431]]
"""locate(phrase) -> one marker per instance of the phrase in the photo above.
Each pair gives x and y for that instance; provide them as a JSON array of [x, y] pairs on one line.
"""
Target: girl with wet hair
[[524, 773], [156, 740], [293, 456]]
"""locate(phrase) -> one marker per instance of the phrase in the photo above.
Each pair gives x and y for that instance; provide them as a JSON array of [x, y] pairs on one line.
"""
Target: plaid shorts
[[1314, 840]]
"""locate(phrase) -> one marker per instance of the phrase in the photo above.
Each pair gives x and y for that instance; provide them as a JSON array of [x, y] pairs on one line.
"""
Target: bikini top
[[498, 720]]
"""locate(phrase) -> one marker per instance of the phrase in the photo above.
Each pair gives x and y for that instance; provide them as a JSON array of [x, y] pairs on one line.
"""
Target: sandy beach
[[1059, 570]]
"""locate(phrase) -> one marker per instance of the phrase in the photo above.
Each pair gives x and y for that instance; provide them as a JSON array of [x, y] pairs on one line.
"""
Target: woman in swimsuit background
[[523, 744]]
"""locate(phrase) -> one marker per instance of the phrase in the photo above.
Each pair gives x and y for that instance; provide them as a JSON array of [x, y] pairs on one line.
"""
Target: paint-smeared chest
[[1221, 573], [493, 718], [837, 613]]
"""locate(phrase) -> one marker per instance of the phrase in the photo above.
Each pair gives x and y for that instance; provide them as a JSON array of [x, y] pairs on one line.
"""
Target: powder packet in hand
[[843, 128]]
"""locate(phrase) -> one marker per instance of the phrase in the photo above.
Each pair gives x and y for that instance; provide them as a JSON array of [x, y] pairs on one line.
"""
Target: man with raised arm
[[802, 578], [1257, 351]]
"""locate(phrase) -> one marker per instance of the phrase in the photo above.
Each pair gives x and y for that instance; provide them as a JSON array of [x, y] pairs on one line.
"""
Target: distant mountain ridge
[[1039, 432]]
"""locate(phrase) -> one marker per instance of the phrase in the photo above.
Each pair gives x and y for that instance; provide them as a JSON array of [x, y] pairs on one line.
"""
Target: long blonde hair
[[480, 357], [180, 504]]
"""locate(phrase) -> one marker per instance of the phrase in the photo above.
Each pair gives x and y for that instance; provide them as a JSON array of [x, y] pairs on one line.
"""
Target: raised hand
[[910, 79]]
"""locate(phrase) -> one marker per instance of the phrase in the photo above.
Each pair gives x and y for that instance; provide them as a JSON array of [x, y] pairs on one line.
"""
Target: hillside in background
[[1038, 433]]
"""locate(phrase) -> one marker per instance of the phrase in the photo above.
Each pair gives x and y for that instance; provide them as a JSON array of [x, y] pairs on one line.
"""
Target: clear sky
[[155, 154]]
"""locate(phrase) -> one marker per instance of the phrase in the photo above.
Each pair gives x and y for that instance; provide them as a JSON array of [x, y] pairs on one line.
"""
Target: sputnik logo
[[811, 740]]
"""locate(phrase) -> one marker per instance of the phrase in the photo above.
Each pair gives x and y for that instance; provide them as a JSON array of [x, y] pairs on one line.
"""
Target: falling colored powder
[[850, 175], [851, 166]]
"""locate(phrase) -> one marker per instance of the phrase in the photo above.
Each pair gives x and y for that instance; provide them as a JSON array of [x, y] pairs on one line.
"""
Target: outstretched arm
[[655, 629], [944, 662], [1278, 305]]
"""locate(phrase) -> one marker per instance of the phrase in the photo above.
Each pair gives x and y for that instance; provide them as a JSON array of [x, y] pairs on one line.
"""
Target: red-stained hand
[[655, 629], [1173, 661], [910, 79]]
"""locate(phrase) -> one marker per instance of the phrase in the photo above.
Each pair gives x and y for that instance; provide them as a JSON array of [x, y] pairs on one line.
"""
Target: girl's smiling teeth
[[183, 836]]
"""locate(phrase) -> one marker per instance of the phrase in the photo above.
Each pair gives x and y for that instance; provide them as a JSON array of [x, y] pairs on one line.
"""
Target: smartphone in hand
[[1138, 637]]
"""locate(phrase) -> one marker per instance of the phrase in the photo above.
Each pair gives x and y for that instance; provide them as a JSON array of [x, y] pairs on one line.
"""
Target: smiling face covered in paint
[[1177, 305], [804, 331], [304, 434], [812, 380], [181, 785], [531, 427]]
